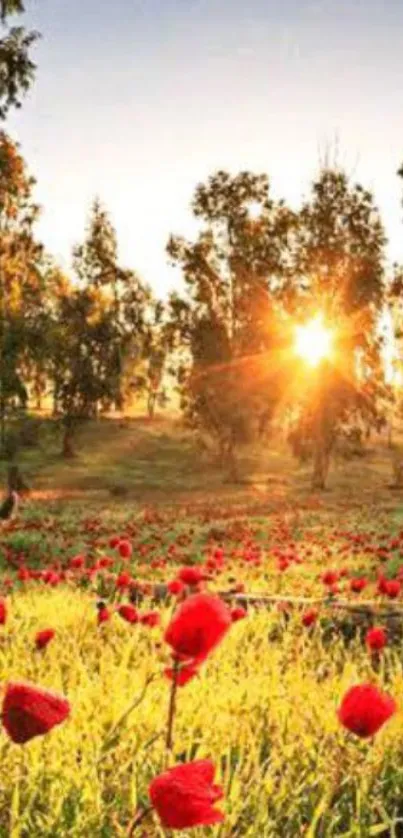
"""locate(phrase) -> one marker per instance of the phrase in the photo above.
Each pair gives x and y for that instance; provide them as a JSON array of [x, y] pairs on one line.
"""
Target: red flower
[[238, 613], [376, 639], [358, 585], [129, 613], [124, 580], [198, 625], [365, 709], [105, 561], [310, 617], [77, 562], [151, 619], [104, 615], [392, 588], [3, 612], [382, 584], [125, 549], [175, 587], [30, 711], [114, 541], [51, 578], [42, 638], [330, 577], [184, 796], [191, 575]]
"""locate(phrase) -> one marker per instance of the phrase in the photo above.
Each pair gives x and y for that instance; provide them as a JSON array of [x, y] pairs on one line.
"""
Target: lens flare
[[313, 341]]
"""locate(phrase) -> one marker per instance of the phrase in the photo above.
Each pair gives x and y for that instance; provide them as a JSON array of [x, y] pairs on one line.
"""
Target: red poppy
[[77, 561], [175, 587], [198, 625], [30, 711], [104, 615], [357, 585], [114, 541], [364, 709], [238, 613], [124, 580], [310, 617], [125, 549], [42, 638], [184, 796], [3, 612], [151, 619], [191, 575], [330, 577], [51, 578], [376, 639], [129, 613], [105, 561], [392, 588], [382, 584]]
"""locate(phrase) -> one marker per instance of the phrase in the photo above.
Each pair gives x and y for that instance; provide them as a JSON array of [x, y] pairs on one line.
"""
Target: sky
[[139, 100]]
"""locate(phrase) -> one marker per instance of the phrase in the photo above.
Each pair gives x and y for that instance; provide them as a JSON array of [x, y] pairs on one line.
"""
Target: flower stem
[[172, 705], [137, 820]]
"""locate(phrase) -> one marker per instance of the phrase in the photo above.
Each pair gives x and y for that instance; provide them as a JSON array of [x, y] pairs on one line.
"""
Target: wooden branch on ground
[[363, 607], [160, 594]]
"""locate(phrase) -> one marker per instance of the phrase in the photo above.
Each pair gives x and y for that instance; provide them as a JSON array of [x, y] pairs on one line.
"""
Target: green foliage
[[338, 268], [229, 321], [22, 281], [96, 329], [17, 70]]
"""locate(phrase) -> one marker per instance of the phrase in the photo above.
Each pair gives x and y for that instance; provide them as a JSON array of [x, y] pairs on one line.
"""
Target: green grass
[[264, 707], [161, 461]]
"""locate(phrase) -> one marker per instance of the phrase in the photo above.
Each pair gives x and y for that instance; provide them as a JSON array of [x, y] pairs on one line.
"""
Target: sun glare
[[313, 341]]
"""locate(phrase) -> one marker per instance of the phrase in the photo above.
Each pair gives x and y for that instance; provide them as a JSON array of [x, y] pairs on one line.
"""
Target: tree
[[228, 321], [97, 267], [81, 342], [22, 280], [17, 70], [338, 270]]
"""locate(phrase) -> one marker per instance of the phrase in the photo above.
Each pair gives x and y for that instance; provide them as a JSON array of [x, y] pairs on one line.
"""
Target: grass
[[161, 460], [264, 706], [283, 760]]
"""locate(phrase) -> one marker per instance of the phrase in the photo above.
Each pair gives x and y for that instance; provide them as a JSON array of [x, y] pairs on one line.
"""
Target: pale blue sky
[[138, 100]]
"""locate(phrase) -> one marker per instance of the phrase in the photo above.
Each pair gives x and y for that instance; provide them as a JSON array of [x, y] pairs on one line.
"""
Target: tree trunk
[[151, 405], [55, 407], [15, 481], [397, 468], [321, 463], [2, 423], [230, 462], [68, 450]]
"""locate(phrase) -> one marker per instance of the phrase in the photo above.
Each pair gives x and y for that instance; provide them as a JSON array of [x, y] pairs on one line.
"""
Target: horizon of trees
[[99, 337]]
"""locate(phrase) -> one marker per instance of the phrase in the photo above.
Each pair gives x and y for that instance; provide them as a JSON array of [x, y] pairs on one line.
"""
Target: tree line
[[256, 268]]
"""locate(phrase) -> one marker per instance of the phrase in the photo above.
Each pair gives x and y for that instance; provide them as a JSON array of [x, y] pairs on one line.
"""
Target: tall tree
[[22, 279], [97, 267], [228, 320], [17, 70], [339, 271]]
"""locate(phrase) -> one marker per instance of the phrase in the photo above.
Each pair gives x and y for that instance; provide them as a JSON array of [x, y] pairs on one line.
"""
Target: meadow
[[263, 705]]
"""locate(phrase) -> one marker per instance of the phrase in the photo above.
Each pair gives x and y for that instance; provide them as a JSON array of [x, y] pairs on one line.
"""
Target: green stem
[[172, 706]]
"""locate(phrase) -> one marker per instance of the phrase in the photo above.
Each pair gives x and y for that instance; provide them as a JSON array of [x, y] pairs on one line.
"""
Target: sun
[[313, 341]]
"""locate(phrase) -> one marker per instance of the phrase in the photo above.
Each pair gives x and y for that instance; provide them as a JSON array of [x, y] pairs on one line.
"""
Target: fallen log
[[160, 594]]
